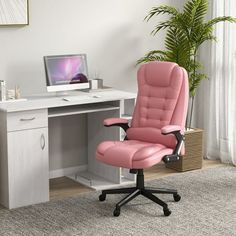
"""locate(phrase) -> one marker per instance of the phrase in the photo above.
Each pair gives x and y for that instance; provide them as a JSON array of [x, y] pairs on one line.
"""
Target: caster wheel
[[102, 197], [116, 212], [166, 211], [176, 197]]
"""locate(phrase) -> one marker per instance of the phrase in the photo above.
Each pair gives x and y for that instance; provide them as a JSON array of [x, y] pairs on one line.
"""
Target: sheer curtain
[[220, 118]]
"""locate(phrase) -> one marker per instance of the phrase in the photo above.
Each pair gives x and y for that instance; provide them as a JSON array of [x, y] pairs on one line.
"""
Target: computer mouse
[[66, 99]]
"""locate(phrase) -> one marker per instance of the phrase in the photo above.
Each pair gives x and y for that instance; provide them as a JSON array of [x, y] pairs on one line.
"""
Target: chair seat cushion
[[131, 154]]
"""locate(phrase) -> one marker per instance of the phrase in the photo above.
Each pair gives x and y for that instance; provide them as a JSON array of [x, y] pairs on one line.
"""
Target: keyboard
[[79, 98]]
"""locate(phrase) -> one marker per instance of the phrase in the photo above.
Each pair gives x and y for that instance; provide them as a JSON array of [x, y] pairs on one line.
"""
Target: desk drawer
[[27, 120]]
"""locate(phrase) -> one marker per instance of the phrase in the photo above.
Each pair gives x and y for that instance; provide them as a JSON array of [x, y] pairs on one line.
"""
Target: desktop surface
[[41, 101]]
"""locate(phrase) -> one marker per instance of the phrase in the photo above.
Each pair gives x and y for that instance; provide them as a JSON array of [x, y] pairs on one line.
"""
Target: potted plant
[[186, 31]]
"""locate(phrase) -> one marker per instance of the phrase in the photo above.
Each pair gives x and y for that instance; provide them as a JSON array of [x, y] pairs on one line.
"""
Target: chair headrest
[[158, 73]]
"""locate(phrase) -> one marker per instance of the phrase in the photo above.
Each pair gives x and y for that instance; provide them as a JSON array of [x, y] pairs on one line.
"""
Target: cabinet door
[[28, 167]]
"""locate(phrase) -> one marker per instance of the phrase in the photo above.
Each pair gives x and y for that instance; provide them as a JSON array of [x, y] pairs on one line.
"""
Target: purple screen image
[[66, 70]]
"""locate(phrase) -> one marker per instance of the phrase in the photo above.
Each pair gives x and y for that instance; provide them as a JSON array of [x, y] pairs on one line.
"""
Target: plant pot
[[193, 152]]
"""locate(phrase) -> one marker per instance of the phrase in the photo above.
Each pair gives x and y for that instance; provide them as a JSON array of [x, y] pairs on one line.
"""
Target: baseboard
[[66, 171]]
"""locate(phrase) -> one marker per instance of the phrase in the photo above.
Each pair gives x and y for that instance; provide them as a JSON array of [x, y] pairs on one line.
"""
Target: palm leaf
[[194, 83], [155, 55], [164, 9], [194, 14], [163, 25], [220, 19]]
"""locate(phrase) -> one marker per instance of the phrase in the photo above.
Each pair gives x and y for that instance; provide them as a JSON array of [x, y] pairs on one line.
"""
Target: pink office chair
[[156, 132]]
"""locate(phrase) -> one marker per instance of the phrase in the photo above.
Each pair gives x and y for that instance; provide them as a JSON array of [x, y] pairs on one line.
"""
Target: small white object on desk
[[96, 83], [2, 90], [76, 98], [79, 98], [11, 94]]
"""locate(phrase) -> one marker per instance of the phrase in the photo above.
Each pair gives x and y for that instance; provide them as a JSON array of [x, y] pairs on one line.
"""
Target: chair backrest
[[162, 100]]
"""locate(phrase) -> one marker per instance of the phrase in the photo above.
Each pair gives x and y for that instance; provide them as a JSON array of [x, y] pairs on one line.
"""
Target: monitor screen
[[66, 72]]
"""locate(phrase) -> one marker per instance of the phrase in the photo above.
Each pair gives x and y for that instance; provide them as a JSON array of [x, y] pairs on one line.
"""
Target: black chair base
[[140, 190]]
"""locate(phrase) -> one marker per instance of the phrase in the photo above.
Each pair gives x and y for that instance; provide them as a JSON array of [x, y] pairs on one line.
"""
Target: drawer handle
[[42, 141], [27, 119]]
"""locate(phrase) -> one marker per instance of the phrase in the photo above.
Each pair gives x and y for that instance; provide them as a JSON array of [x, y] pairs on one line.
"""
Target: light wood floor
[[61, 188]]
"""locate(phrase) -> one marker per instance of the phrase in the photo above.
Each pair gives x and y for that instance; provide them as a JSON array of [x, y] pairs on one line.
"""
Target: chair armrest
[[168, 129], [176, 131], [113, 121], [120, 122]]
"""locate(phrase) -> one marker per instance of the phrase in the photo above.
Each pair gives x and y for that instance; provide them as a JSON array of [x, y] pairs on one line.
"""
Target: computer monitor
[[66, 72]]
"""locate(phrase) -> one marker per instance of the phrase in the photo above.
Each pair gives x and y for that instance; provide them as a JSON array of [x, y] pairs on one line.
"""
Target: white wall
[[111, 32]]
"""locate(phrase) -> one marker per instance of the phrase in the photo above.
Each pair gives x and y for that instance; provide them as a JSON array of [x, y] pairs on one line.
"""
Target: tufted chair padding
[[160, 102]]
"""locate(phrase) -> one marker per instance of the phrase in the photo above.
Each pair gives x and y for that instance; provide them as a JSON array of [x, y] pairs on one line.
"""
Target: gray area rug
[[207, 207]]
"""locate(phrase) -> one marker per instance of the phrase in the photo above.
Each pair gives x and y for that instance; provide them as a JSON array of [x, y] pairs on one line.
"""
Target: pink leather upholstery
[[170, 128], [112, 121], [131, 154], [161, 102]]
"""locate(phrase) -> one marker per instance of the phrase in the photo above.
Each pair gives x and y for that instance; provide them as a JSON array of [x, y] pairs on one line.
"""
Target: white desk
[[25, 146]]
